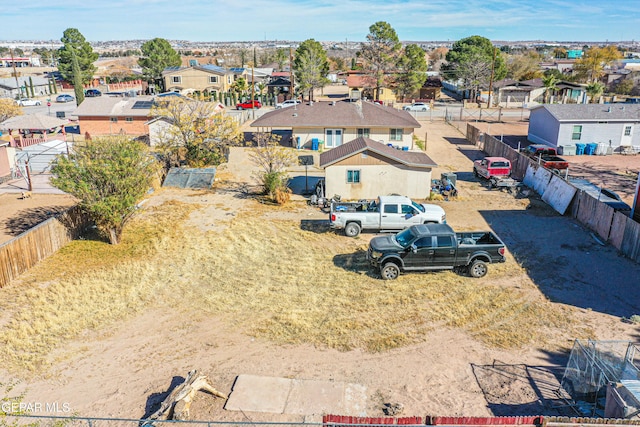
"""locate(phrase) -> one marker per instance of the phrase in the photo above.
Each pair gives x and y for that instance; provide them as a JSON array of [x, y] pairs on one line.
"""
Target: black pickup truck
[[429, 247]]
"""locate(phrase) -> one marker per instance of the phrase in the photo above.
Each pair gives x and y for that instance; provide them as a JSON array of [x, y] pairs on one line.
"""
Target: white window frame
[[363, 132], [355, 178], [176, 79], [395, 134], [213, 79], [333, 137], [576, 135]]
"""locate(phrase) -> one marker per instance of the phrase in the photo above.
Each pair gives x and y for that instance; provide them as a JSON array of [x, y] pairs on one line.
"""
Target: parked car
[[417, 106], [28, 102], [386, 213], [612, 199], [92, 93], [248, 105], [287, 103], [491, 167], [430, 247], [546, 156], [65, 98]]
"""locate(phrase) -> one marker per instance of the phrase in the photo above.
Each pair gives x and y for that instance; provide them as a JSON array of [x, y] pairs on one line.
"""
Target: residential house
[[9, 88], [198, 79], [516, 93], [431, 88], [335, 122], [569, 92], [364, 169], [362, 86], [615, 125], [111, 115]]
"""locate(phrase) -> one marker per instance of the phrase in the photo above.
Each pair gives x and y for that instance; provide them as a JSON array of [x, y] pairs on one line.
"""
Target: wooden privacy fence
[[619, 230], [26, 250]]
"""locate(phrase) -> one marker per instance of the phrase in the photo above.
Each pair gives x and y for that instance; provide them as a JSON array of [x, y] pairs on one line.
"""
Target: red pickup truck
[[546, 156], [490, 167]]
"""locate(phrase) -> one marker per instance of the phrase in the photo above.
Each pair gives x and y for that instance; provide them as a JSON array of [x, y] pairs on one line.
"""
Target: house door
[[332, 138], [627, 135]]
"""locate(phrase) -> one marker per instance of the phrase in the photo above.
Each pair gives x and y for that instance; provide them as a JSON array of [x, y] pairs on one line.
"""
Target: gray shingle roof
[[593, 112], [361, 144], [338, 114], [113, 106]]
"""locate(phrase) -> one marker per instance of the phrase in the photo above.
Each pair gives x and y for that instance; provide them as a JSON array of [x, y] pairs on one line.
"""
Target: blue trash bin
[[580, 149], [315, 142], [591, 148]]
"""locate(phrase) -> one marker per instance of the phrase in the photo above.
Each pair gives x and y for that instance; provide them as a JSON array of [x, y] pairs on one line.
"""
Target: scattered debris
[[392, 409]]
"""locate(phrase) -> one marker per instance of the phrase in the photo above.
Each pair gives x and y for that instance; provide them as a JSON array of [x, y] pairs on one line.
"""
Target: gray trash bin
[[450, 176]]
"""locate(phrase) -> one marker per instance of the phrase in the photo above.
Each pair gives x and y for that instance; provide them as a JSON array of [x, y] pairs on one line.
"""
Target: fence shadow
[[29, 218]]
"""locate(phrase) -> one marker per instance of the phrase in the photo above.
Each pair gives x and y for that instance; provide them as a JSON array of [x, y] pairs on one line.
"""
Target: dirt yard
[[122, 363]]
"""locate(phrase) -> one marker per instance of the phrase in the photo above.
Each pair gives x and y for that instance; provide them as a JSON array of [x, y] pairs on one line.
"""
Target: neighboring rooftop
[[593, 112], [338, 113], [114, 106], [361, 145]]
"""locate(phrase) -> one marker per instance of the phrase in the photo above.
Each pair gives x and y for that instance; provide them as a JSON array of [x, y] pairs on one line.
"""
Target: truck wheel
[[352, 229], [478, 268], [390, 271]]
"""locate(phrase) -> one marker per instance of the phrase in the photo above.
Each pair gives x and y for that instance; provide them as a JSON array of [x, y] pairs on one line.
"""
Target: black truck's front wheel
[[390, 271], [352, 229], [478, 268]]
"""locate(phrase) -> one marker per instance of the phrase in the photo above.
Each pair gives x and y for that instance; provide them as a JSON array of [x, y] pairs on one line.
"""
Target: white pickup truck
[[386, 213]]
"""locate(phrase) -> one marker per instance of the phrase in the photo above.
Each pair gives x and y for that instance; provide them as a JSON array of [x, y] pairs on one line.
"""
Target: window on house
[[176, 79], [213, 79], [353, 176], [114, 119], [363, 132], [395, 135], [627, 131], [128, 119], [577, 133]]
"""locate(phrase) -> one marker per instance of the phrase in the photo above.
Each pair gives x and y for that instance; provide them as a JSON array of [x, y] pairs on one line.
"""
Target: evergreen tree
[[158, 55], [380, 54], [75, 63], [311, 66]]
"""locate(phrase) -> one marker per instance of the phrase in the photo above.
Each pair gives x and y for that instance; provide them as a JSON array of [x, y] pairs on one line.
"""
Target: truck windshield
[[404, 238], [417, 206]]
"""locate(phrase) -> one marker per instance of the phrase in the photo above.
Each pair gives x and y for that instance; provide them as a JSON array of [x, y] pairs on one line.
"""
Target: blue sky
[[247, 20]]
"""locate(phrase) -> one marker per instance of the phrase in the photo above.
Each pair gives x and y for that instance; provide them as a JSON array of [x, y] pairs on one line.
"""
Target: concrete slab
[[296, 397], [259, 394]]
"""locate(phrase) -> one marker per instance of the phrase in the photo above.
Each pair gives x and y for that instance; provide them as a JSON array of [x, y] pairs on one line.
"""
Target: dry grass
[[272, 279]]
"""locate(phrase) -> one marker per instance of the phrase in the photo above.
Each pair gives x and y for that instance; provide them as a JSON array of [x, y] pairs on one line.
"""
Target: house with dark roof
[[364, 169], [198, 78], [512, 92], [615, 125], [330, 124], [112, 115]]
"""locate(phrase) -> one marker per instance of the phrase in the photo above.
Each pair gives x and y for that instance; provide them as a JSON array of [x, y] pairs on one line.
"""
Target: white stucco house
[[615, 125], [331, 124], [364, 169]]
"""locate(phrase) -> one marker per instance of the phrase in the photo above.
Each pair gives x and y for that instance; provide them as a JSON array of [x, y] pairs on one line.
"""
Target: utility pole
[[493, 66], [15, 73], [291, 73], [253, 92]]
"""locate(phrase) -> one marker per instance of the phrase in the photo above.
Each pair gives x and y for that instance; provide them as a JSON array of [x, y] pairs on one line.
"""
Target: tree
[[157, 54], [623, 87], [272, 161], [109, 176], [76, 58], [590, 67], [524, 66], [380, 53], [594, 90], [310, 66], [282, 57], [550, 82], [240, 86], [411, 71], [197, 134], [471, 60], [8, 109]]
